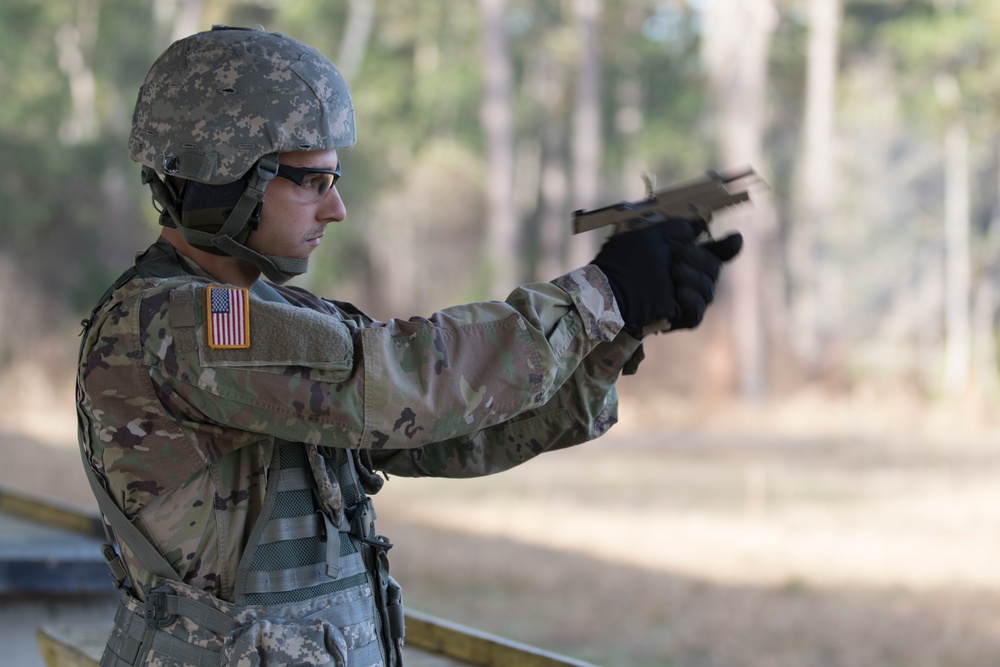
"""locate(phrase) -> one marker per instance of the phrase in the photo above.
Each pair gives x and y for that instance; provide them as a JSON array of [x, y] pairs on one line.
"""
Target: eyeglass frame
[[298, 174]]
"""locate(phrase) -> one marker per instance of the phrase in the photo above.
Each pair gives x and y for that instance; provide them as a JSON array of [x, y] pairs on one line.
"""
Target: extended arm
[[311, 377], [582, 409]]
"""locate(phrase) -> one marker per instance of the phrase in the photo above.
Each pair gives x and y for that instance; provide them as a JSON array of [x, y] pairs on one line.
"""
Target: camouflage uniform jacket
[[182, 433]]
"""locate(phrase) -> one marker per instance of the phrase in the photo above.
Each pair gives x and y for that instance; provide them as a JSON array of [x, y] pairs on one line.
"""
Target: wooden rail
[[51, 513], [473, 647]]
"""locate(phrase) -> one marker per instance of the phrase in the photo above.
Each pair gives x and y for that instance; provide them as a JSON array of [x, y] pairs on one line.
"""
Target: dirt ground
[[802, 532]]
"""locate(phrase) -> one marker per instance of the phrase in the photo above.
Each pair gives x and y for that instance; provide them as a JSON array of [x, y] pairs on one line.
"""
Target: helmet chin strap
[[276, 269], [165, 198]]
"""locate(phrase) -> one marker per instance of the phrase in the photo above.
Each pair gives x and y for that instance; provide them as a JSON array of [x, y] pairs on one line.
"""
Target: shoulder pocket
[[269, 336]]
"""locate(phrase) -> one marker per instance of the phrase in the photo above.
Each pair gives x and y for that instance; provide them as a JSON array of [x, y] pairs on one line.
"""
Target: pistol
[[694, 200]]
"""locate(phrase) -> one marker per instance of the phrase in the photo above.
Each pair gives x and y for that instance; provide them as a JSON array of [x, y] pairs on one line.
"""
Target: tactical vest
[[312, 586]]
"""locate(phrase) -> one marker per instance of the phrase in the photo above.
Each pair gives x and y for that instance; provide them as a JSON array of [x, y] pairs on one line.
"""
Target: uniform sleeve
[[314, 377], [583, 408]]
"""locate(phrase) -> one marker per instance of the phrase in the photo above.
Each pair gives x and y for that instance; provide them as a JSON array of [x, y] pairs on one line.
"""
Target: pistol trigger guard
[[659, 326], [704, 233]]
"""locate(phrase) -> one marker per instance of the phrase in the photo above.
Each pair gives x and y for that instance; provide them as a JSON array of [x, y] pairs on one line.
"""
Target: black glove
[[661, 273]]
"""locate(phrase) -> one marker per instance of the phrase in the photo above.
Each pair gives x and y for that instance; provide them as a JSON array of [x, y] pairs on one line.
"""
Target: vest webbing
[[295, 551]]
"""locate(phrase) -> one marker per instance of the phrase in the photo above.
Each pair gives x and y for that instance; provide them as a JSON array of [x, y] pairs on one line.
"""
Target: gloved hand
[[661, 273]]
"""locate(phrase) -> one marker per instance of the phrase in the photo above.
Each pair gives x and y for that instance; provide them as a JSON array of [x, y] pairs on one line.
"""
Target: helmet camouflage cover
[[216, 102]]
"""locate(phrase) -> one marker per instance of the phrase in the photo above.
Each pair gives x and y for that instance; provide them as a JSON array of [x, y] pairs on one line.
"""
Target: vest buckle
[[115, 565], [155, 607], [361, 517]]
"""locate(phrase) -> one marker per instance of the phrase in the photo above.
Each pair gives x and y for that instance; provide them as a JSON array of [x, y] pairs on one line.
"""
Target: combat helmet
[[216, 109]]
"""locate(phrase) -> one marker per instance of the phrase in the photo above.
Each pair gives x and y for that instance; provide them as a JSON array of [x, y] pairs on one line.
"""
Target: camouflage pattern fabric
[[328, 491], [183, 433], [253, 92], [287, 642], [290, 634]]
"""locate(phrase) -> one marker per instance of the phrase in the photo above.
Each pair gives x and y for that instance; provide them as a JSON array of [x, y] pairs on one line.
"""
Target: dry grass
[[847, 533], [813, 533]]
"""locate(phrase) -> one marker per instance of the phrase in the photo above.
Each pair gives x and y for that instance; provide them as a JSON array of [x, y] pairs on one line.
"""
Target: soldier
[[232, 427]]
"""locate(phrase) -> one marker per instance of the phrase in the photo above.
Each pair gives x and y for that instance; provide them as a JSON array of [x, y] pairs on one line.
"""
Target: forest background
[[872, 254], [861, 315]]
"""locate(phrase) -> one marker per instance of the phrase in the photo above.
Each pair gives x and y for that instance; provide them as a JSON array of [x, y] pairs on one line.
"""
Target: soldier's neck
[[229, 270]]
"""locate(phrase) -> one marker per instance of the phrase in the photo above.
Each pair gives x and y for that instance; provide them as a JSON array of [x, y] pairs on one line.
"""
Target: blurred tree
[[547, 47], [737, 36], [588, 137], [497, 117], [816, 304], [952, 46], [75, 42], [357, 31], [178, 18]]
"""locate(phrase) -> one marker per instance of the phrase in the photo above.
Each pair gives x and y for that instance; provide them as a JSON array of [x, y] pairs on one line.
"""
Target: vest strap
[[202, 614], [332, 538], [292, 528], [122, 528], [294, 479], [307, 576]]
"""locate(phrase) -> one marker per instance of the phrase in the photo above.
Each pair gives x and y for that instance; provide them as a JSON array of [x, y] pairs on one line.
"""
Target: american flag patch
[[228, 317]]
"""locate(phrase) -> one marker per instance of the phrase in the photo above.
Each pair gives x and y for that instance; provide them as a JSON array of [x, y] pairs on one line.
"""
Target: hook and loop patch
[[228, 318]]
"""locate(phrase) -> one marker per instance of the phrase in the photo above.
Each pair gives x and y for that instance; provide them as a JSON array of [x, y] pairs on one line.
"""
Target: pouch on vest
[[286, 642]]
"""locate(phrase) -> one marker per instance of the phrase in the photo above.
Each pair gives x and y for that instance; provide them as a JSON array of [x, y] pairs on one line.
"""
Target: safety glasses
[[315, 183]]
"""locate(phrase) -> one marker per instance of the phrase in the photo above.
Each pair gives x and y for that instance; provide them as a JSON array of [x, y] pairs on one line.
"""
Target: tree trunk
[[957, 261], [986, 299], [178, 18], [983, 318], [736, 43], [587, 137], [547, 86], [360, 19], [816, 305], [497, 119], [554, 190], [75, 43], [630, 119]]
